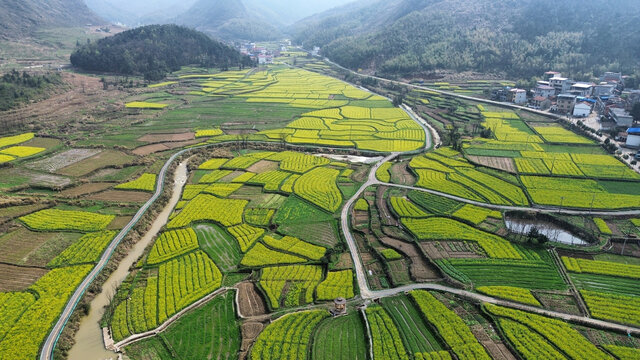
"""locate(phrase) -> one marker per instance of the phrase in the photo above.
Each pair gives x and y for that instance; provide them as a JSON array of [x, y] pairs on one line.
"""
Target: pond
[[552, 231]]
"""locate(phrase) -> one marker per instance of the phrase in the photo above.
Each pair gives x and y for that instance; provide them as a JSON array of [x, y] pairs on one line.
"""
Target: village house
[[581, 89], [603, 89], [562, 85], [517, 96], [544, 91], [582, 109], [540, 103], [565, 103], [621, 117]]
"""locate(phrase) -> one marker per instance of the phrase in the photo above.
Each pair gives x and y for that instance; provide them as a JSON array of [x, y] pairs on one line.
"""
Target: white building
[[265, 59], [621, 117], [562, 85], [603, 89], [582, 89], [545, 91], [517, 96], [582, 109], [633, 138]]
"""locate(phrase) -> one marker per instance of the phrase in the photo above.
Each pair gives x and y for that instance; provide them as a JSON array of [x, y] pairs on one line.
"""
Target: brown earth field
[[400, 174], [16, 278], [119, 222], [121, 196], [25, 247], [154, 148], [421, 270], [250, 303], [263, 166], [85, 189], [500, 163], [154, 138], [16, 211], [106, 158]]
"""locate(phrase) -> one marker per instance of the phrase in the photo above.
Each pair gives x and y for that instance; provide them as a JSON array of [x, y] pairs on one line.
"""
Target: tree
[[398, 100], [635, 112]]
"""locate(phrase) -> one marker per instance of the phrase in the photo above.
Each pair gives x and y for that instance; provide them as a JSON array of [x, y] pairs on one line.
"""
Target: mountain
[[21, 17], [154, 51], [138, 12], [516, 38], [287, 12], [228, 19]]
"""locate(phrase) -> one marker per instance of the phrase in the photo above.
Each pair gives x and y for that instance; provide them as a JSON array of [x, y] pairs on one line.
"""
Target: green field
[[209, 332], [342, 338], [416, 335]]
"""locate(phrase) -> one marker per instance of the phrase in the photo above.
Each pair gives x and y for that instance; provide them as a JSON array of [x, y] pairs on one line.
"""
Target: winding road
[[365, 292]]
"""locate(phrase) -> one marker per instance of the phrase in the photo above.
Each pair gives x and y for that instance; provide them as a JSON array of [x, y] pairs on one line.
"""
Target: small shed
[[340, 307], [633, 138]]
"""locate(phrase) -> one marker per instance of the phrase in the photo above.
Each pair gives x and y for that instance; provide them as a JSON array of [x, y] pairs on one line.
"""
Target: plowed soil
[[15, 278], [249, 300]]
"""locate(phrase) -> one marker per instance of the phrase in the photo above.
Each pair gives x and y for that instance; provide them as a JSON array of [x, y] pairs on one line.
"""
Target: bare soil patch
[[119, 222], [500, 163], [63, 159], [16, 246], [558, 302], [450, 249], [17, 211], [250, 331], [154, 148], [249, 300], [121, 196], [263, 166], [108, 158], [420, 268], [85, 189], [154, 138], [231, 176], [386, 218], [16, 278], [400, 174], [345, 262]]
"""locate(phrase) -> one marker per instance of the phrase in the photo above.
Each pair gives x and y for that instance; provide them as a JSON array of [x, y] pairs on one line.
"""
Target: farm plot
[[56, 219], [288, 337], [341, 338], [319, 187], [219, 245], [436, 228], [146, 182], [211, 331], [337, 284], [26, 332], [528, 274], [107, 158], [578, 193], [226, 212], [62, 160], [87, 249], [385, 338], [415, 334], [451, 328], [304, 279], [555, 332]]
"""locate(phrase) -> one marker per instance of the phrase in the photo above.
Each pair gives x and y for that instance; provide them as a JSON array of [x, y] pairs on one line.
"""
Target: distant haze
[[135, 12]]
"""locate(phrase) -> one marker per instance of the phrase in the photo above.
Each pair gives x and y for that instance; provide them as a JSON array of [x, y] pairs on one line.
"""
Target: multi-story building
[[565, 103]]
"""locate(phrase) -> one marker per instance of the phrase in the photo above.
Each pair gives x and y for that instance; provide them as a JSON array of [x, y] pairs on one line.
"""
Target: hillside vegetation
[[21, 17], [155, 50], [518, 38]]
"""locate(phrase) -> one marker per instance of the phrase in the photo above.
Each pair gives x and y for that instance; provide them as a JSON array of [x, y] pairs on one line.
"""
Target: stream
[[89, 344]]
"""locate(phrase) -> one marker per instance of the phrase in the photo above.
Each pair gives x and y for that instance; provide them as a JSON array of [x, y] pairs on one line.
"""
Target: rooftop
[[545, 87]]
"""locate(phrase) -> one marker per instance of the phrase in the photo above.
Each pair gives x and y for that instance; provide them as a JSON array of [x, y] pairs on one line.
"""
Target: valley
[[170, 195]]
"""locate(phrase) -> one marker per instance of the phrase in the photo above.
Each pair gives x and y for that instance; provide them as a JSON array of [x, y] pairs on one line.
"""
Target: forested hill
[[155, 50], [518, 38], [228, 19], [21, 17]]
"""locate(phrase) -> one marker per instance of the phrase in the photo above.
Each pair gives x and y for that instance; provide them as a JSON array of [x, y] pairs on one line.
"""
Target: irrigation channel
[[89, 340], [89, 343]]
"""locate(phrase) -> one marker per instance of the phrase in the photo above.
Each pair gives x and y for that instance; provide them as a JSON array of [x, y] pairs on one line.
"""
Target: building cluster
[[564, 96], [263, 55]]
